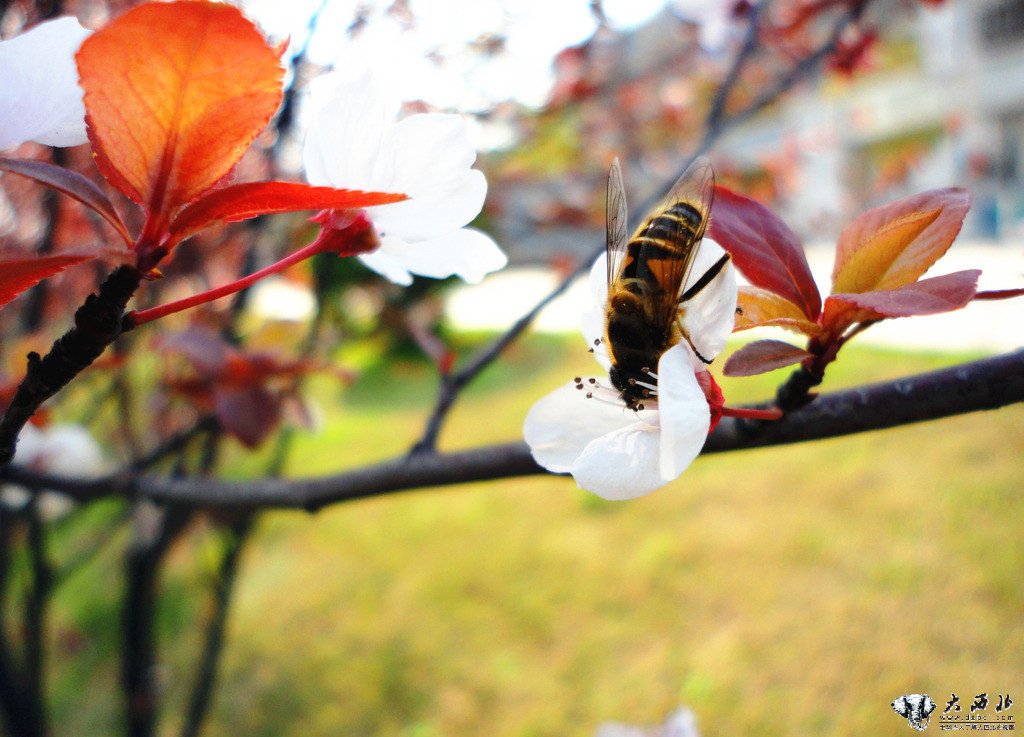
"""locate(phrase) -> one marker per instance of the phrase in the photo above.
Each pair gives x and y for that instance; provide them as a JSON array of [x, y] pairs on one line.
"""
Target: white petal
[[388, 266], [685, 417], [711, 314], [592, 321], [40, 99], [428, 157], [622, 464], [598, 281], [345, 130], [467, 253], [561, 424]]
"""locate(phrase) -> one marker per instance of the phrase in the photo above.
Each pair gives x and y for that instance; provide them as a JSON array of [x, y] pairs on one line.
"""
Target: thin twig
[[453, 384]]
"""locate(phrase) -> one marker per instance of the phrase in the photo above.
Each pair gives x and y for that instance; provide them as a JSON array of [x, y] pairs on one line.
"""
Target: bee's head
[[635, 387]]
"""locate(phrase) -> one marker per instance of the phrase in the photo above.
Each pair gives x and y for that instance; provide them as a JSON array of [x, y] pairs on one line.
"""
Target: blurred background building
[[935, 99]]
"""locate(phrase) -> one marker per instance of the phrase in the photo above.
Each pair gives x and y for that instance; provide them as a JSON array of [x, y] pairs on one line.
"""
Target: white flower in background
[[59, 450], [680, 723], [714, 17], [351, 143], [618, 453], [40, 99]]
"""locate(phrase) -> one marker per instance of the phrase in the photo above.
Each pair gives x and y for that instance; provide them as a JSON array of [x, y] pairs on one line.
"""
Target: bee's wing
[[615, 221], [696, 188]]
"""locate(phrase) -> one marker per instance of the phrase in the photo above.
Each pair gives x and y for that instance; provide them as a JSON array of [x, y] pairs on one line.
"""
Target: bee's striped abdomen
[[663, 242]]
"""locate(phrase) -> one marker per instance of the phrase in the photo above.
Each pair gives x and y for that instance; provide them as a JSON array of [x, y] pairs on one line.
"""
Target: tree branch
[[97, 324], [986, 384]]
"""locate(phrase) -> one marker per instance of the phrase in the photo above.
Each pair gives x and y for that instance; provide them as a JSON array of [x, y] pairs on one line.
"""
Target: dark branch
[[986, 384], [97, 324]]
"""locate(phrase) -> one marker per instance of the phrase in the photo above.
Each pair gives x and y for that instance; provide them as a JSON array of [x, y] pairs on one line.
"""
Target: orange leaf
[[758, 307], [241, 201], [895, 244], [174, 94]]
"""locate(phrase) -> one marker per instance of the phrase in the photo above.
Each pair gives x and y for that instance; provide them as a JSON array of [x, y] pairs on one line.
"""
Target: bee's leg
[[698, 286], [686, 337]]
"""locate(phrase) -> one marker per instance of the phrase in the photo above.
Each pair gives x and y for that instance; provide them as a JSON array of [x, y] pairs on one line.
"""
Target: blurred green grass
[[782, 591]]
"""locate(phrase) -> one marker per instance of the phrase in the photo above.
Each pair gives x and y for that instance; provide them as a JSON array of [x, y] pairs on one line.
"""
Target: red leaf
[[764, 249], [762, 356], [241, 201], [70, 183], [250, 413], [925, 297], [204, 349], [18, 273]]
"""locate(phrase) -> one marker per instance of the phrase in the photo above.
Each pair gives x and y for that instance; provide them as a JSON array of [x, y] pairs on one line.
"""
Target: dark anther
[[597, 341], [639, 407], [578, 379], [645, 370], [632, 382], [590, 395], [592, 380]]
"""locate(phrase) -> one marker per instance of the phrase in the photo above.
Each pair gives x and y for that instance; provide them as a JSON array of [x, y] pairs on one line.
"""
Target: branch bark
[[97, 324], [981, 385]]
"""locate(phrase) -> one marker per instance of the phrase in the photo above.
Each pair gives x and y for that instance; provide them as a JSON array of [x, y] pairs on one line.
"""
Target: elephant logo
[[915, 708]]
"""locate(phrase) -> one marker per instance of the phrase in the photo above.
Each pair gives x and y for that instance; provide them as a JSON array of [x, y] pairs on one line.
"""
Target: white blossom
[[619, 453], [351, 143], [40, 99]]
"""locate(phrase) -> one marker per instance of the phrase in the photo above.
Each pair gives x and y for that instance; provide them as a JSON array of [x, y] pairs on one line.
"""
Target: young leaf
[[762, 356], [250, 413], [895, 244], [18, 273], [925, 297], [757, 307], [70, 183], [174, 94], [241, 201], [764, 249]]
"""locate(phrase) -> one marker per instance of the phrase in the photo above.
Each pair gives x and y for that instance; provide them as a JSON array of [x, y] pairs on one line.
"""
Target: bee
[[646, 278]]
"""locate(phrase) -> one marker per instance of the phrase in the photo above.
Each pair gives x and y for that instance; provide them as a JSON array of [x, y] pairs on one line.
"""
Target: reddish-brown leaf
[[762, 356], [174, 94], [895, 244], [72, 184], [925, 297], [994, 294], [764, 249], [241, 201], [18, 273], [758, 307], [250, 413]]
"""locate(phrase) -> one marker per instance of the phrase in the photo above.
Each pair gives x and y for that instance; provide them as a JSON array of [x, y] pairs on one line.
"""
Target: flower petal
[[711, 314], [467, 253], [685, 417], [622, 464], [592, 321], [561, 424], [40, 99], [345, 131], [428, 157]]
